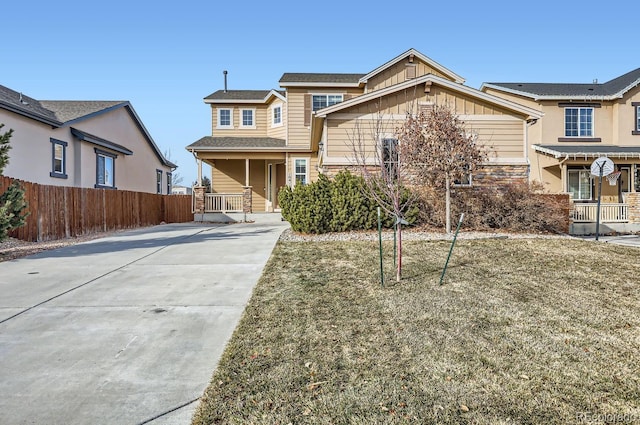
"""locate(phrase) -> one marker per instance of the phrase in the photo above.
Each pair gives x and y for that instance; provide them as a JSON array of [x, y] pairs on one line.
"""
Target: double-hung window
[[225, 118], [579, 184], [105, 169], [390, 157], [578, 122], [320, 101], [277, 116], [158, 181], [300, 171], [636, 118], [58, 159], [248, 118], [169, 182]]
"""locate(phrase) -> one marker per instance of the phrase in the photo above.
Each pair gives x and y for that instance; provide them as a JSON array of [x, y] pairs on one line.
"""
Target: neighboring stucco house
[[582, 122], [262, 140], [91, 144]]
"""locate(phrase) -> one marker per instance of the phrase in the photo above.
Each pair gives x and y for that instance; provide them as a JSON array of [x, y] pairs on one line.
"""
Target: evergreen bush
[[336, 205]]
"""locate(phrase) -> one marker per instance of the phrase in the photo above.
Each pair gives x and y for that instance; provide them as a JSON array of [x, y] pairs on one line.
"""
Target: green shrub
[[12, 206], [336, 205]]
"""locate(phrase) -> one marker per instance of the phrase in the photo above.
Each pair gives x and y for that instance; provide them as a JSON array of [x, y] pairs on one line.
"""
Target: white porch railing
[[222, 202], [609, 213]]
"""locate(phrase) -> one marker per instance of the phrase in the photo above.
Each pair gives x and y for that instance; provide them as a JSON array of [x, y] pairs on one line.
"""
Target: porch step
[[260, 218]]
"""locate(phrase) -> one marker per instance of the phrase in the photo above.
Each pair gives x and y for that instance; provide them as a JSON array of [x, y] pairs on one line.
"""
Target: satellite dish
[[602, 167]]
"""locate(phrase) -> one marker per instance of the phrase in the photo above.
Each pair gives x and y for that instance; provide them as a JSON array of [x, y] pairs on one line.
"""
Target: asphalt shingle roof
[[297, 77], [257, 95], [609, 88], [238, 142], [68, 110], [26, 104]]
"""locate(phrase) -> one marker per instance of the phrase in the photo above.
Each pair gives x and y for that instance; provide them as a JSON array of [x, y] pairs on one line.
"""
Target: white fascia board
[[533, 113], [429, 61], [232, 101], [311, 85], [276, 94]]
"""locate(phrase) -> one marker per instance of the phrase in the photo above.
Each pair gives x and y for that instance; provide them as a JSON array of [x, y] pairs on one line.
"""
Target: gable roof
[[613, 89], [414, 52], [313, 79], [244, 96], [62, 113], [460, 88]]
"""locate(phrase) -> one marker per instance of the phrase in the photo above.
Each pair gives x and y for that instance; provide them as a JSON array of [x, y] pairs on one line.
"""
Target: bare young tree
[[440, 151], [176, 177], [379, 158]]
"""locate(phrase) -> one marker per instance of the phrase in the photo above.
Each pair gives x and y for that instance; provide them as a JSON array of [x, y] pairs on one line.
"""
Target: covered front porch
[[566, 169]]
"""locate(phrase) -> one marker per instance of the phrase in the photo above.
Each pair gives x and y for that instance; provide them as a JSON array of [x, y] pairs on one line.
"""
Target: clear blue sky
[[165, 57]]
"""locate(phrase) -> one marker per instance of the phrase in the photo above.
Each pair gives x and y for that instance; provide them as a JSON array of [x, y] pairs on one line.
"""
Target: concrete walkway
[[626, 240], [126, 329]]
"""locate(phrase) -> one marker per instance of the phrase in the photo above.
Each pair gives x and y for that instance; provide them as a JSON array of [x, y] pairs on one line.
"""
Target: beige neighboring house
[[262, 140], [581, 123], [90, 144]]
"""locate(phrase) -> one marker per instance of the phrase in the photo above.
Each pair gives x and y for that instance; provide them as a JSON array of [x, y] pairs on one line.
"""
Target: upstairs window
[[169, 182], [578, 122], [320, 101], [636, 118], [105, 170], [225, 119], [247, 117], [277, 115], [58, 159]]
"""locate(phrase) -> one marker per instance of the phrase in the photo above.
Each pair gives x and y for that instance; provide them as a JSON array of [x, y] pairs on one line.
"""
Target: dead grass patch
[[523, 331]]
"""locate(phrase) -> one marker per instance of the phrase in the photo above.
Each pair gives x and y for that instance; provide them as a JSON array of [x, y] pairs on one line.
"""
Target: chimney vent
[[595, 81], [225, 80]]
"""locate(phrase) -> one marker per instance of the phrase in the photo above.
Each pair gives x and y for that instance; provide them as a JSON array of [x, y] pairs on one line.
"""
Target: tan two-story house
[[262, 140], [581, 123]]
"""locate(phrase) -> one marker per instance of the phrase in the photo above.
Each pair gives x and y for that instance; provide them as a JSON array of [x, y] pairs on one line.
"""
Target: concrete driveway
[[126, 329]]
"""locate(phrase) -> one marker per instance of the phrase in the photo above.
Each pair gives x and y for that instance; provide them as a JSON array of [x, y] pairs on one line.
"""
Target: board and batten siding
[[398, 73]]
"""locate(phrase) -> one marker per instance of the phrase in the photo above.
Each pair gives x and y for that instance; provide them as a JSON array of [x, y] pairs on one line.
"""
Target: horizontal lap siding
[[57, 212], [299, 134], [228, 176], [503, 138]]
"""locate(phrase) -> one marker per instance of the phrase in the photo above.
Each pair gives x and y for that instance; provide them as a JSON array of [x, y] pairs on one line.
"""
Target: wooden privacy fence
[[58, 212]]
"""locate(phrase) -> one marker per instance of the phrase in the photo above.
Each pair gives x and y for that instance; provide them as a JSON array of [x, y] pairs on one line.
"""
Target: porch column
[[199, 161], [633, 200], [198, 197], [563, 177], [247, 199], [246, 172]]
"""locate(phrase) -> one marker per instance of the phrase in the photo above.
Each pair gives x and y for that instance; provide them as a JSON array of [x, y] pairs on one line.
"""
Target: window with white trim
[[300, 171], [225, 118], [579, 184], [247, 117], [277, 115], [578, 122], [58, 159], [105, 169], [319, 101]]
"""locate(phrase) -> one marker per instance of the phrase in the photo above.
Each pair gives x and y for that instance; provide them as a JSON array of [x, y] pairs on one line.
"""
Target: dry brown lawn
[[523, 331]]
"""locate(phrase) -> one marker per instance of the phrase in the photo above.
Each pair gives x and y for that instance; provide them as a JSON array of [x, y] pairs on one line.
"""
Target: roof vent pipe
[[595, 81], [225, 80]]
